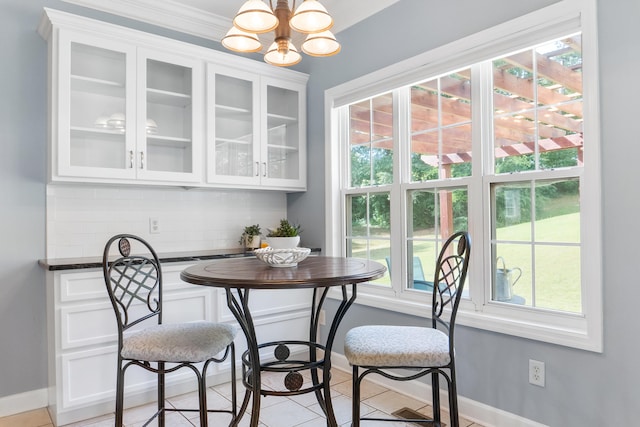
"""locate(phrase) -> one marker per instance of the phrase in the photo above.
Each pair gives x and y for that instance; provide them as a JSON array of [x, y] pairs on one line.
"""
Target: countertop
[[55, 264]]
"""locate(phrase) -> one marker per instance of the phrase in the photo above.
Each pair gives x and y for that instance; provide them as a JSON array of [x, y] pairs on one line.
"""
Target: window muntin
[[368, 229], [537, 255], [441, 127], [537, 103], [433, 214], [538, 126], [371, 141], [368, 214]]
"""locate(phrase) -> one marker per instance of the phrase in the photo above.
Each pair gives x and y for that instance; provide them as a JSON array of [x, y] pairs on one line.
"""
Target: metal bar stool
[[417, 351], [134, 284]]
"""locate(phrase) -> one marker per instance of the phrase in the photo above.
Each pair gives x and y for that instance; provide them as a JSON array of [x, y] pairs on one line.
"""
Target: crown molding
[[167, 14], [176, 15]]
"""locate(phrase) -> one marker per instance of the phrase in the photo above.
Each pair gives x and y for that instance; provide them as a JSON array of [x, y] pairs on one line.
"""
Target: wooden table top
[[313, 272]]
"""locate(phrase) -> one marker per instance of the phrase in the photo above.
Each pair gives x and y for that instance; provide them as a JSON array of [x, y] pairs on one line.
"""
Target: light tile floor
[[296, 411]]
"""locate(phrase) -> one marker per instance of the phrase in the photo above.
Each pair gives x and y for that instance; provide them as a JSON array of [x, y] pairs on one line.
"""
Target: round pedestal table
[[241, 276]]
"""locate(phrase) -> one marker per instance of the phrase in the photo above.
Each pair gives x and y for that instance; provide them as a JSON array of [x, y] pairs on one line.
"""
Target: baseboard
[[133, 399], [23, 402], [470, 409], [37, 399]]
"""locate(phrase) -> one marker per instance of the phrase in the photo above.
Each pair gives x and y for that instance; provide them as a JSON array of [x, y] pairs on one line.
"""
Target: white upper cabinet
[[170, 131], [256, 130], [126, 112], [95, 108], [283, 132], [233, 123], [128, 107]]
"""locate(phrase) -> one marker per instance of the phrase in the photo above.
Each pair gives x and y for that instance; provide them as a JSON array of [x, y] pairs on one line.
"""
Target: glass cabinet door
[[125, 112], [96, 113], [233, 123], [283, 152], [169, 118]]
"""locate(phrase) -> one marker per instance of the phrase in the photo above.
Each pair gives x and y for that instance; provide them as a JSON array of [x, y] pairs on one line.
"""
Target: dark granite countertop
[[55, 264]]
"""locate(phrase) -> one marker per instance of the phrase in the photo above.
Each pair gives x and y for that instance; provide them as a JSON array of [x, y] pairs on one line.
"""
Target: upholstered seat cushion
[[182, 342], [401, 346]]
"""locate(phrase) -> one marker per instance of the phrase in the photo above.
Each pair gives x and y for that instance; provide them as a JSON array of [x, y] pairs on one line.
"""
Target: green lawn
[[557, 274]]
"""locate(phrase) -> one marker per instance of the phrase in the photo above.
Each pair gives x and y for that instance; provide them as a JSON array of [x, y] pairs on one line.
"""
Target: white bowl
[[282, 257], [117, 121], [101, 122], [152, 126]]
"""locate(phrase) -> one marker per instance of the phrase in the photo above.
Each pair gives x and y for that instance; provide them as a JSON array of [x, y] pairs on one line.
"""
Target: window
[[538, 129], [371, 165], [496, 147]]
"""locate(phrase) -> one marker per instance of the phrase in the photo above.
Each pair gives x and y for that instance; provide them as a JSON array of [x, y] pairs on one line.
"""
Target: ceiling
[[211, 19], [346, 13]]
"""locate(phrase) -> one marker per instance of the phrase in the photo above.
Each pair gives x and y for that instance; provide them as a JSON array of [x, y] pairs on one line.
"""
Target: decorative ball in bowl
[[282, 257]]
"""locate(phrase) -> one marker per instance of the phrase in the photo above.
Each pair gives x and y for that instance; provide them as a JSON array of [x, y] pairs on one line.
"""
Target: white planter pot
[[252, 242], [283, 242]]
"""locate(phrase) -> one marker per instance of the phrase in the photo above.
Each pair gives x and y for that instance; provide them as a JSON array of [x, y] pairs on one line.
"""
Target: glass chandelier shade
[[282, 54], [241, 41], [321, 44], [311, 17], [256, 17]]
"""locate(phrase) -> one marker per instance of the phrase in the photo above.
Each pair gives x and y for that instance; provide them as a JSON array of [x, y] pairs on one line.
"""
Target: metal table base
[[252, 367]]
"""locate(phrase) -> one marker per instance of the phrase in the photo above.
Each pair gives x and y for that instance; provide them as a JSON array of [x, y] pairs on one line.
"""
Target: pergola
[[537, 108]]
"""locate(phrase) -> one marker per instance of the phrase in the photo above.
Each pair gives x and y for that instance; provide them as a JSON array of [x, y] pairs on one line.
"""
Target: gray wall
[[22, 195], [23, 127], [582, 388]]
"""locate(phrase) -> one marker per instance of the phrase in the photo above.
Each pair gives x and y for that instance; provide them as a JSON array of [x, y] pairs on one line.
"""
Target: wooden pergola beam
[[545, 145], [517, 121]]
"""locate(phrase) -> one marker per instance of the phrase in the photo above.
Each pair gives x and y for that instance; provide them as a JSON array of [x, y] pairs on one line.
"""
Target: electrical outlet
[[536, 372], [154, 225], [322, 319]]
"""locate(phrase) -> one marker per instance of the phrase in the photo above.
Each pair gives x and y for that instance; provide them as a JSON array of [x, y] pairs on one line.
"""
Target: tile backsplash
[[81, 218]]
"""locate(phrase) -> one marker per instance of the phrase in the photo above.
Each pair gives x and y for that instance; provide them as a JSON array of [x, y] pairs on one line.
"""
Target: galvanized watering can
[[505, 280]]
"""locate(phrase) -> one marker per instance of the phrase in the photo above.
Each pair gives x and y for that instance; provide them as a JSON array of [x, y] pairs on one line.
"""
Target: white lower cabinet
[[83, 338]]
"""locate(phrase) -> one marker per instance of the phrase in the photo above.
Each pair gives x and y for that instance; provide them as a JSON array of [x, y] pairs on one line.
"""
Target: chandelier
[[255, 17]]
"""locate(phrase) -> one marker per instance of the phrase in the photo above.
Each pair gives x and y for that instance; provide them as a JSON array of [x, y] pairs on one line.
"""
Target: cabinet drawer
[[171, 278], [88, 376], [272, 302], [87, 324], [82, 286], [78, 286], [91, 324]]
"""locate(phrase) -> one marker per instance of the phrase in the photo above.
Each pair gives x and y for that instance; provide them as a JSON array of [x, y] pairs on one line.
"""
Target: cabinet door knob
[[130, 159], [257, 169], [264, 169], [141, 160]]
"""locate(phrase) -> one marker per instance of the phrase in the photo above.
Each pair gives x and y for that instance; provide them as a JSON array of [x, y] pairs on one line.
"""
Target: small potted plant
[[251, 236], [286, 236]]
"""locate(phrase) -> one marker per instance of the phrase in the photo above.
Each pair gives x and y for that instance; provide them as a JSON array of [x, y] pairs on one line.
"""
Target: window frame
[[582, 331]]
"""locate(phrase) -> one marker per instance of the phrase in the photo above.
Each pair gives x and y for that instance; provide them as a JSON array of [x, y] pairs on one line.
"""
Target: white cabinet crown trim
[[179, 17], [56, 19]]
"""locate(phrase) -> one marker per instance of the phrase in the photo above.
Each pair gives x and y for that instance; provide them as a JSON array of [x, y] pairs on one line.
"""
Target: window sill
[[555, 328]]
